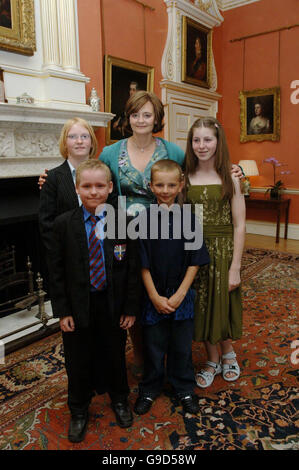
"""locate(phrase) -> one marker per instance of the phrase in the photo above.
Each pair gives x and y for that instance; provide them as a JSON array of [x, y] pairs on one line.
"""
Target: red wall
[[269, 60], [125, 29]]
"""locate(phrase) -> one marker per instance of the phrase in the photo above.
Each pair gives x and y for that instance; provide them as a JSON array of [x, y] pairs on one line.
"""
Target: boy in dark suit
[[95, 293]]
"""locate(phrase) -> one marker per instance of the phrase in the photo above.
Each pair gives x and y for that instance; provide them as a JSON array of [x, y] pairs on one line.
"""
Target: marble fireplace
[[28, 144]]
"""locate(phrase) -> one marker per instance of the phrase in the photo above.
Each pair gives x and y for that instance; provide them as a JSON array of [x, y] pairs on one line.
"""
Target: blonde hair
[[92, 165], [65, 130], [167, 165]]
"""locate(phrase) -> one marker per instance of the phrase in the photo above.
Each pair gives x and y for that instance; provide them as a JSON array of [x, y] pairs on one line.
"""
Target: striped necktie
[[96, 261]]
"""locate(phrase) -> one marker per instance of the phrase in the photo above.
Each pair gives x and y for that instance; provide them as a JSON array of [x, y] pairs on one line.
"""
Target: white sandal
[[233, 367], [207, 375]]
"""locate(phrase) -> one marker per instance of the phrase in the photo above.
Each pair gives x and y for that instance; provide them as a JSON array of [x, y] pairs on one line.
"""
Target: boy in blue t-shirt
[[168, 270]]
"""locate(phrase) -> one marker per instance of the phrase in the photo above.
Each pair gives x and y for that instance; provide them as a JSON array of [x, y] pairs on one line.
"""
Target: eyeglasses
[[76, 136]]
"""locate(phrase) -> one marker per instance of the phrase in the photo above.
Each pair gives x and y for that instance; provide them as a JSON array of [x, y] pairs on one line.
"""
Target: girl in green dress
[[217, 194]]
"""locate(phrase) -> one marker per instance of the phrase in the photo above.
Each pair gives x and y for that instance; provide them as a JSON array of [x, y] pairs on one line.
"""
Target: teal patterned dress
[[135, 185], [218, 312]]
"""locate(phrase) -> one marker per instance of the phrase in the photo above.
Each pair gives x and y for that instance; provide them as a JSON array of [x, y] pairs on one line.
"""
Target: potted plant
[[276, 188]]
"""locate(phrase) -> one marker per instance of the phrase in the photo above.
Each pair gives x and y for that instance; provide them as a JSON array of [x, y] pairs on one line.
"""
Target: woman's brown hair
[[135, 103], [222, 158], [65, 130]]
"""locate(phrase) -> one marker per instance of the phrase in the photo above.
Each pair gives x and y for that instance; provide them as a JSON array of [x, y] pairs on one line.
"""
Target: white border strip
[[269, 229]]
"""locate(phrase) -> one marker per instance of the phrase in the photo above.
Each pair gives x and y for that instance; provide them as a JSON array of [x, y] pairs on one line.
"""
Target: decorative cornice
[[229, 4], [35, 114], [27, 72], [204, 11], [195, 92]]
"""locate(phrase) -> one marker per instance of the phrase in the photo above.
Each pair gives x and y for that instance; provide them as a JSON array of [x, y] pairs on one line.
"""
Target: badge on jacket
[[120, 251]]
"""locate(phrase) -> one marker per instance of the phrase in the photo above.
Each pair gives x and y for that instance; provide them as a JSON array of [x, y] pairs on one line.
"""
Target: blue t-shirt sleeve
[[200, 256], [144, 253]]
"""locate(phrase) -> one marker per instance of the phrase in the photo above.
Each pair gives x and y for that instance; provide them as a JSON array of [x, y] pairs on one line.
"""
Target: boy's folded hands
[[162, 305], [176, 299]]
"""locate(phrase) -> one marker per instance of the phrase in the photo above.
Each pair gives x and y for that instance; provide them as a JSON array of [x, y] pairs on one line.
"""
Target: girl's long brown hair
[[222, 160]]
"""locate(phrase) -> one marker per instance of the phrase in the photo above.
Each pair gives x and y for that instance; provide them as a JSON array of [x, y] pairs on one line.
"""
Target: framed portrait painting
[[17, 26], [260, 114], [196, 53], [122, 79]]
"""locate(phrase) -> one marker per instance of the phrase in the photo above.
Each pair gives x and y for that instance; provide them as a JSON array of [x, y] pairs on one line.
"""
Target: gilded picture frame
[[260, 114], [122, 78], [17, 26], [196, 53]]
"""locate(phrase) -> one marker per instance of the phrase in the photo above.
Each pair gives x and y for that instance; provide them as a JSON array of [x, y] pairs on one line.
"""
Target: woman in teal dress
[[130, 161], [219, 203]]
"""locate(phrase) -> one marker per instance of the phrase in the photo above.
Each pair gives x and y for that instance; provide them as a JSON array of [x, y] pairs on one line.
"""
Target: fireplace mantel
[[29, 136]]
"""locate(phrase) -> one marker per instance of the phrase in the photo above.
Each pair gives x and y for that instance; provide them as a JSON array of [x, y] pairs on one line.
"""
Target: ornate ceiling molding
[[229, 4]]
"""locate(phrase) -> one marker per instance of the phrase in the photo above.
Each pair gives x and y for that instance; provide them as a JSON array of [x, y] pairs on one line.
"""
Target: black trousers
[[95, 358], [171, 338]]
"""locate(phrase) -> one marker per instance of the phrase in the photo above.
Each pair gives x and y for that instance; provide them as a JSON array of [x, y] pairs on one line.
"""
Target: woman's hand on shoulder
[[42, 178], [237, 185], [236, 171]]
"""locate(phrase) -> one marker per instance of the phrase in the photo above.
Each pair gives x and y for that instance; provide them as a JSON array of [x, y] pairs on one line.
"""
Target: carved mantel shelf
[[29, 137]]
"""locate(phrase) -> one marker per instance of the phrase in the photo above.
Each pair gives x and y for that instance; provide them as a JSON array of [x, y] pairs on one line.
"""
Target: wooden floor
[[261, 241]]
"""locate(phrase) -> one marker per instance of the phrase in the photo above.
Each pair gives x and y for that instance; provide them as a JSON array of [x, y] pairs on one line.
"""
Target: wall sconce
[[250, 169]]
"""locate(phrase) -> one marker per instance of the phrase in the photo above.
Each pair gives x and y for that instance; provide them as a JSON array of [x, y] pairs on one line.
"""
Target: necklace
[[142, 149]]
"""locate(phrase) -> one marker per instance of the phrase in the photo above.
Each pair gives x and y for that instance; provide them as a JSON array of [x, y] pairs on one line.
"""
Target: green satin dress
[[218, 312]]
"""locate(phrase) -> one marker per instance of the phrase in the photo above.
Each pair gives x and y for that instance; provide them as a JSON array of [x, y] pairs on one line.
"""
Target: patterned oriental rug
[[258, 412]]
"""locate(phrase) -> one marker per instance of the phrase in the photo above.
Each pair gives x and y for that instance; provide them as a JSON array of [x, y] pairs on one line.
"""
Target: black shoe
[[190, 404], [77, 428], [123, 414], [143, 405]]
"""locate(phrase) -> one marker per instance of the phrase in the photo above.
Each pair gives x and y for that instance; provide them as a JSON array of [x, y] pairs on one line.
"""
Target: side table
[[277, 205]]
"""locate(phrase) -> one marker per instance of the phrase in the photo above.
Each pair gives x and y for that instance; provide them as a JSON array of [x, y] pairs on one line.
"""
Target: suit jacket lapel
[[79, 231], [67, 183]]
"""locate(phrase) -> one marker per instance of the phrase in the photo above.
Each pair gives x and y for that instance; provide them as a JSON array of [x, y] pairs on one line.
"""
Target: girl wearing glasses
[[77, 143]]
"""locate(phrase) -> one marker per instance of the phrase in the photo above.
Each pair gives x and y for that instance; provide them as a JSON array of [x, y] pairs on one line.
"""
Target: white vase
[[94, 100]]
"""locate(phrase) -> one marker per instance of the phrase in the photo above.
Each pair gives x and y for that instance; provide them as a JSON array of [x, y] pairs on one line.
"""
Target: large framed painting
[[17, 26], [196, 53], [260, 114], [122, 79]]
